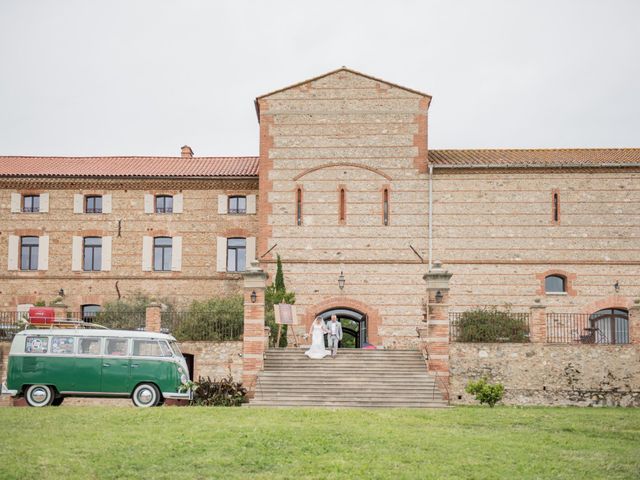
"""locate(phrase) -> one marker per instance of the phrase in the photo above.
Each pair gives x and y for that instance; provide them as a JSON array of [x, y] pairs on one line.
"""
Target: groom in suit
[[334, 335]]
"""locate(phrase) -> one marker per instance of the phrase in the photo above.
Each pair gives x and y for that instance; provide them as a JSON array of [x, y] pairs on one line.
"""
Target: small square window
[[237, 205], [36, 345], [117, 347], [62, 345], [93, 204], [164, 204], [31, 203], [89, 346]]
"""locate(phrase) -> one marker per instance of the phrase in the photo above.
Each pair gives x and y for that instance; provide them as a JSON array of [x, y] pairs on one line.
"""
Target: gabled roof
[[129, 166], [342, 69], [559, 157]]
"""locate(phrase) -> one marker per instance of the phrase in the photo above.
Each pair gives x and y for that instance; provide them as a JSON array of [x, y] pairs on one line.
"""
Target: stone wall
[[199, 224], [534, 374], [215, 359]]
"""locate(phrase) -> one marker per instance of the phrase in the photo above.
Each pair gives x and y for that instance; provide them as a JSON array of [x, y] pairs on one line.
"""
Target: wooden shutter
[[147, 253], [251, 204], [221, 254], [16, 202], [78, 203], [76, 254], [176, 254], [107, 203], [178, 201], [14, 252], [106, 251], [223, 203], [44, 202], [148, 203], [43, 252], [251, 251]]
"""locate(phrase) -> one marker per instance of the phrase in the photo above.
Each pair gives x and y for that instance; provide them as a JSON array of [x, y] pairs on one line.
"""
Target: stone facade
[[198, 225], [533, 374], [215, 359]]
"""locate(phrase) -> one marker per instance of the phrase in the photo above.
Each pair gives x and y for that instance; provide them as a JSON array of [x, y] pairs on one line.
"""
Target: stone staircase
[[355, 378]]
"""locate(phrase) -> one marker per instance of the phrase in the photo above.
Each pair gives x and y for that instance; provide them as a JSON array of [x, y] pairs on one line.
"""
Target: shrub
[[224, 392], [485, 392], [127, 314], [492, 325], [217, 319]]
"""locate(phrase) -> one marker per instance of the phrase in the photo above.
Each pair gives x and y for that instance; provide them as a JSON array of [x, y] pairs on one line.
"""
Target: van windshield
[[176, 349]]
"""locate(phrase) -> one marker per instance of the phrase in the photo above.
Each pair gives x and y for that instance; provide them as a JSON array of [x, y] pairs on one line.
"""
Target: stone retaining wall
[[582, 375]]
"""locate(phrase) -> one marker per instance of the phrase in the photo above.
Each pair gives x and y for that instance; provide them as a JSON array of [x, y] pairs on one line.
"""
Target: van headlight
[[183, 377]]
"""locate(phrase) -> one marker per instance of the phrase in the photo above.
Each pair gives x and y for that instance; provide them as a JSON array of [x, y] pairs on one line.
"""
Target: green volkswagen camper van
[[47, 365]]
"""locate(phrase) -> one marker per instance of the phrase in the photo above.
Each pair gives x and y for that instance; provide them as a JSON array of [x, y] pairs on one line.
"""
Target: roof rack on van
[[64, 323]]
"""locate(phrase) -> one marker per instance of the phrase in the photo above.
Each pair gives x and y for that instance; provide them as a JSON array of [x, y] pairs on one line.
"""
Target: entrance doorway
[[354, 326]]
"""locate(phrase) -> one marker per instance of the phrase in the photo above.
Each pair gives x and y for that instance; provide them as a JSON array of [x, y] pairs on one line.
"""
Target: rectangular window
[[150, 348], [164, 204], [31, 203], [92, 254], [89, 346], [117, 347], [162, 247], [236, 254], [29, 253], [36, 345], [93, 204], [237, 205], [343, 206], [62, 345]]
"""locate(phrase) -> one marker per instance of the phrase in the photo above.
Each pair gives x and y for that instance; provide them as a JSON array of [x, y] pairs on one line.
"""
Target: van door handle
[[106, 364], [134, 365]]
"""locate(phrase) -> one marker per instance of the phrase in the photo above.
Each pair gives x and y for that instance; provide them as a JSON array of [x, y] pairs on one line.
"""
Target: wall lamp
[[61, 292], [341, 280], [254, 296], [616, 286], [439, 296]]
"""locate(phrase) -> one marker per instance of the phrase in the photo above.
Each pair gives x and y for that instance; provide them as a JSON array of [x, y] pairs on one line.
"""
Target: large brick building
[[347, 192]]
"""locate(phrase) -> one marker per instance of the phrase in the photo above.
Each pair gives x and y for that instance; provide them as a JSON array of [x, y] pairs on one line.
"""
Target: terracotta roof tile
[[574, 157], [129, 166]]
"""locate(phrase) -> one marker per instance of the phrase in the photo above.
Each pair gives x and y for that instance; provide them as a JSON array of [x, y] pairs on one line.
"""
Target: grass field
[[230, 443]]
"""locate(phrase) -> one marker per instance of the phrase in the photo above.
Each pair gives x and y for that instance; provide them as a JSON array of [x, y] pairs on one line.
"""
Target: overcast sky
[[137, 77]]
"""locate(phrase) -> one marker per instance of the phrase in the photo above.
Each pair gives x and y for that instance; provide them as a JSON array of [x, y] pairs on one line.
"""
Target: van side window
[[62, 345], [36, 345], [149, 348], [117, 346], [89, 346]]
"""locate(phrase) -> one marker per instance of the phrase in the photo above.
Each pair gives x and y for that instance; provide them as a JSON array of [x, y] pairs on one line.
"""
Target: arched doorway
[[610, 325], [354, 326]]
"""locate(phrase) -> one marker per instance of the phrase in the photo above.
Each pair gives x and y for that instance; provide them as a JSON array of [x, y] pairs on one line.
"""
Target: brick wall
[[198, 225], [352, 132]]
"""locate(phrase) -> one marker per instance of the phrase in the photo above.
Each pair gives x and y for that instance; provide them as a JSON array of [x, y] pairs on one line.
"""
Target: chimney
[[186, 152]]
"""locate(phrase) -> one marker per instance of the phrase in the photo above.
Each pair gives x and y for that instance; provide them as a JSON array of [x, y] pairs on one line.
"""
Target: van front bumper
[[178, 396], [6, 391]]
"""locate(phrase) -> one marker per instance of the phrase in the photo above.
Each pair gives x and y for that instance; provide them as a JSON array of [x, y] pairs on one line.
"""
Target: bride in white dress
[[317, 332]]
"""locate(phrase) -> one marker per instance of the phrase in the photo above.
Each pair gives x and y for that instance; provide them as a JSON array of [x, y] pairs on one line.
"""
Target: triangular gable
[[343, 69]]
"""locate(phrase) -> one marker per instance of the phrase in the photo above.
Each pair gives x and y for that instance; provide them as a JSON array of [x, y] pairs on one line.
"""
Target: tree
[[274, 294]]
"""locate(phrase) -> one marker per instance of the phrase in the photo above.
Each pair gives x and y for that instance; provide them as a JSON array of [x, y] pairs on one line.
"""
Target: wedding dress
[[317, 349]]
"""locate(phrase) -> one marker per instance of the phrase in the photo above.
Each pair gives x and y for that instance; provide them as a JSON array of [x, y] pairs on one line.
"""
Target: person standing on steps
[[334, 335]]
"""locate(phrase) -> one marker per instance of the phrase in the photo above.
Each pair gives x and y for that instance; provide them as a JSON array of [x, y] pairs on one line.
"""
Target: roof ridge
[[563, 149]]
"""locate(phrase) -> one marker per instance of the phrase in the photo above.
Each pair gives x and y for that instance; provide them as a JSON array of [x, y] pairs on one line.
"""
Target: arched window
[[89, 312], [610, 325], [555, 284]]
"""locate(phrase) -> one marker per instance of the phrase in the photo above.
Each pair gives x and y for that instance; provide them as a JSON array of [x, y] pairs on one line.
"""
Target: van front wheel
[[146, 395], [39, 395]]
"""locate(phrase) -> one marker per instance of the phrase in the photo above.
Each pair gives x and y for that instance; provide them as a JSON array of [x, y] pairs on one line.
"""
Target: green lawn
[[183, 443]]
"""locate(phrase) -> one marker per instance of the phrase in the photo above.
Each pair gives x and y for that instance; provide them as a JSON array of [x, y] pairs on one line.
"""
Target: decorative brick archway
[[373, 317]]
